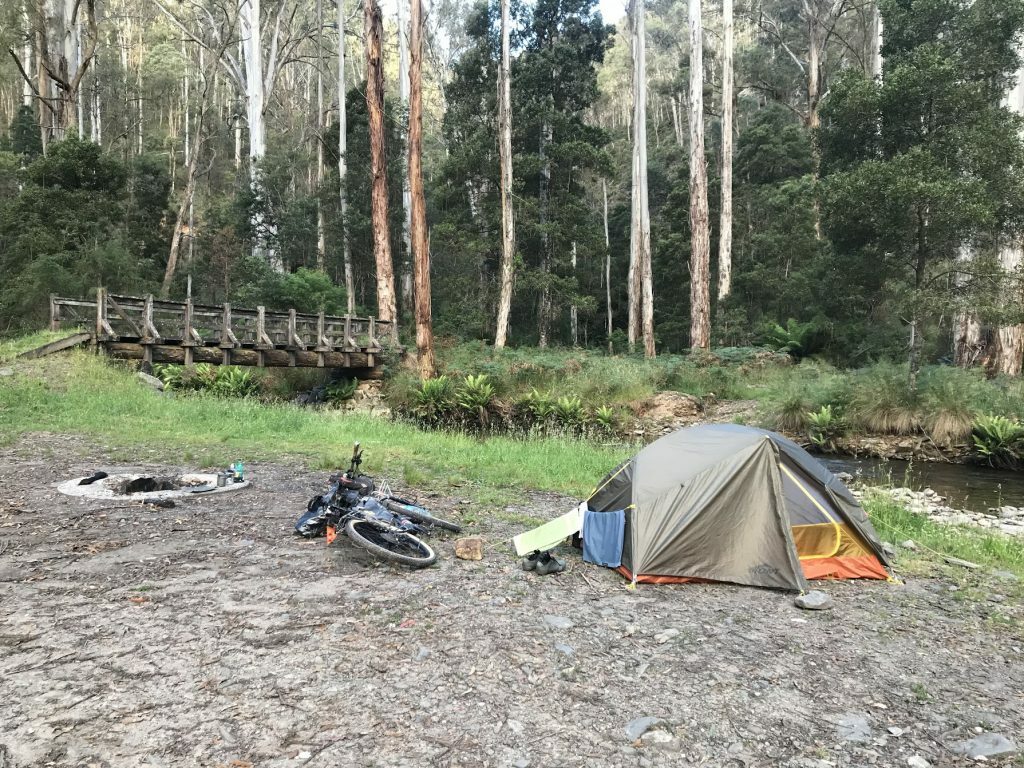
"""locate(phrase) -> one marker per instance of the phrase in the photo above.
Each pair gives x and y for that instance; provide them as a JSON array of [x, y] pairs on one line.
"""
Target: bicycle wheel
[[384, 541], [418, 514]]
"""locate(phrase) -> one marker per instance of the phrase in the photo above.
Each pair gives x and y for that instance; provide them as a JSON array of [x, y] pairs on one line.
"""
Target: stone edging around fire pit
[[106, 489]]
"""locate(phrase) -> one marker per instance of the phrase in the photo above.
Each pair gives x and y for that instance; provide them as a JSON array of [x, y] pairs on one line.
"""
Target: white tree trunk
[[321, 237], [967, 343], [252, 54], [700, 237], [607, 263], [725, 233], [1009, 341], [405, 277], [544, 309], [877, 38], [508, 235], [350, 288], [1008, 355], [574, 320], [26, 58], [640, 225]]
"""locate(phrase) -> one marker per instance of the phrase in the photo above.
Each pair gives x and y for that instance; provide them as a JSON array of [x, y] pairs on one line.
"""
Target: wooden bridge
[[159, 331]]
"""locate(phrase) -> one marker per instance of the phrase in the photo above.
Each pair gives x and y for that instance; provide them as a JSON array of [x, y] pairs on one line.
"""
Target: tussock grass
[[80, 393]]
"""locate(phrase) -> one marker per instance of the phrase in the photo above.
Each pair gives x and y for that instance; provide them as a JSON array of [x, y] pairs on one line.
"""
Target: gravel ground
[[208, 635]]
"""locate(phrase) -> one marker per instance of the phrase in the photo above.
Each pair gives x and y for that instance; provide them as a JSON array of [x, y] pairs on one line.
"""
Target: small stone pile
[[1005, 519]]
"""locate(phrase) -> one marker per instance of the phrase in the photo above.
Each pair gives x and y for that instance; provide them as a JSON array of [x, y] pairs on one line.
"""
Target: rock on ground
[[639, 726], [470, 548], [986, 745], [815, 600]]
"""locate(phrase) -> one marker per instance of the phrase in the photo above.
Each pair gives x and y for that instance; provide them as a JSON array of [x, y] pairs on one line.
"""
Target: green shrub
[[822, 427], [341, 390], [539, 404], [569, 411], [999, 441], [605, 419], [230, 381], [223, 381], [475, 397], [433, 401], [795, 339]]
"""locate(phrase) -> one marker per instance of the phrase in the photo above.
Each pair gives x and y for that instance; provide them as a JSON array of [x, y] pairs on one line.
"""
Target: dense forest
[[841, 176]]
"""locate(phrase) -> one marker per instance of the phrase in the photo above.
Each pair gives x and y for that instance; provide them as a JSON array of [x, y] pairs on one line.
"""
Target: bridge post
[[322, 344], [100, 305], [226, 345], [186, 341]]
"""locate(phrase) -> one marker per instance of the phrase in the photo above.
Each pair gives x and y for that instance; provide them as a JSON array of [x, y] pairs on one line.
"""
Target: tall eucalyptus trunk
[[418, 231], [700, 236], [373, 29], [508, 234], [642, 303], [405, 272], [350, 288], [725, 232]]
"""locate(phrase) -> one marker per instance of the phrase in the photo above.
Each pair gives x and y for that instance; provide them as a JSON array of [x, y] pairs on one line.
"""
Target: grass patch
[[11, 348], [895, 525], [80, 393]]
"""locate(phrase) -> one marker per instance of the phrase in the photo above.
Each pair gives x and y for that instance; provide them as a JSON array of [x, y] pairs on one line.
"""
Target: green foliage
[[310, 291], [923, 160], [222, 381], [822, 427], [796, 339], [569, 411], [605, 418], [999, 441], [341, 390], [433, 400], [72, 226], [475, 396], [540, 406]]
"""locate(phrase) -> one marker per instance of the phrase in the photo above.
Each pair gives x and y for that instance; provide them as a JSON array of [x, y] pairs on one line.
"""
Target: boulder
[[152, 381], [470, 548], [1008, 512], [815, 600]]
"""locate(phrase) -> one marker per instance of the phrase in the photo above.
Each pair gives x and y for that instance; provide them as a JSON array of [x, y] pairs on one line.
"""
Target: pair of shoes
[[543, 563], [548, 564], [531, 560]]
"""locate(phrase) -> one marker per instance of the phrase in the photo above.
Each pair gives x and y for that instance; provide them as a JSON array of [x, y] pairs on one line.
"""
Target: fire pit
[[143, 487]]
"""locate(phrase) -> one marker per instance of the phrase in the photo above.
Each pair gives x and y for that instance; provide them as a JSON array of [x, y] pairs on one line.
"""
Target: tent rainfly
[[724, 502]]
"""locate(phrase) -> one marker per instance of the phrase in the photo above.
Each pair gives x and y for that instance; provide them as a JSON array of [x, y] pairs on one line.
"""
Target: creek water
[[965, 486]]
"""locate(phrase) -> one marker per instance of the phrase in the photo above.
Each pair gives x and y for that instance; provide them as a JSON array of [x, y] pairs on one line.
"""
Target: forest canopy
[[872, 183]]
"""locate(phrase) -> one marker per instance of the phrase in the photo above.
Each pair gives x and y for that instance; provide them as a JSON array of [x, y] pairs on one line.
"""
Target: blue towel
[[603, 534]]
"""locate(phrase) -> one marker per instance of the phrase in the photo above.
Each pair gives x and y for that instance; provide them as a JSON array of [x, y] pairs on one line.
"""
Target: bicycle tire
[[418, 514], [382, 540]]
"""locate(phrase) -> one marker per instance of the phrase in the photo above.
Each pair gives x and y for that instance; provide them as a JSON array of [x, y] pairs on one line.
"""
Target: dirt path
[[208, 635]]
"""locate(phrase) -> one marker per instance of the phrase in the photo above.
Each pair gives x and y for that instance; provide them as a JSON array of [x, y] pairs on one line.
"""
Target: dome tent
[[724, 502]]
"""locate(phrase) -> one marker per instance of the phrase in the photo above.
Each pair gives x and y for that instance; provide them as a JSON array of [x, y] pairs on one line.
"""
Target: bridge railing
[[148, 320]]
